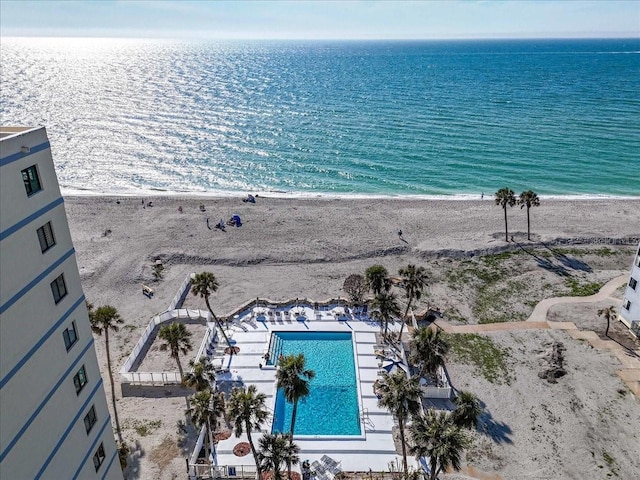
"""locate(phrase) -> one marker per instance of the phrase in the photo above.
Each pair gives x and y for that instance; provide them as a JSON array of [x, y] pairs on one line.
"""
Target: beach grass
[[581, 288], [481, 352]]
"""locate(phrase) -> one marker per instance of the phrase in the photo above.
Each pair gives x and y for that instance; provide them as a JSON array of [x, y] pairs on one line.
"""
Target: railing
[[182, 292], [246, 308], [434, 391], [206, 341], [205, 470], [127, 376], [236, 471], [194, 466]]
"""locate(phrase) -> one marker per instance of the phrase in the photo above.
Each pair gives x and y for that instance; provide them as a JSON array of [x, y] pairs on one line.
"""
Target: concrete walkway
[[539, 313], [630, 360]]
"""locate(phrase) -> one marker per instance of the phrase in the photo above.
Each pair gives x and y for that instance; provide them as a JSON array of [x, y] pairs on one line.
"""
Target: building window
[[31, 180], [626, 304], [59, 288], [638, 261], [45, 236], [633, 283], [90, 419], [70, 336], [99, 457], [80, 380]]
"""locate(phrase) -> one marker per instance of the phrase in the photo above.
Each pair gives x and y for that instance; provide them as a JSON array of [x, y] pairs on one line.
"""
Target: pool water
[[332, 405]]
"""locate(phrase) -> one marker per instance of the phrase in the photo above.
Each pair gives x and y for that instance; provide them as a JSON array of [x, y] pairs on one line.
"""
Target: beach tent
[[236, 219]]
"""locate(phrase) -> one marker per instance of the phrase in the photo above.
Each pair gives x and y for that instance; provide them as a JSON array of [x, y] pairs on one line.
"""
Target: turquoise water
[[332, 405], [332, 118]]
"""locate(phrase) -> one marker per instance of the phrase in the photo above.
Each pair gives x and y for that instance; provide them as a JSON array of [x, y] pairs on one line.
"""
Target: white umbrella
[[392, 365]]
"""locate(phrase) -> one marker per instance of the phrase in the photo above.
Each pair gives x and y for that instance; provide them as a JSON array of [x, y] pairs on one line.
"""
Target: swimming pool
[[332, 405]]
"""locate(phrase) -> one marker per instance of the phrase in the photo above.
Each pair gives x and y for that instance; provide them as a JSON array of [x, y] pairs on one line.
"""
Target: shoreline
[[160, 193], [305, 248]]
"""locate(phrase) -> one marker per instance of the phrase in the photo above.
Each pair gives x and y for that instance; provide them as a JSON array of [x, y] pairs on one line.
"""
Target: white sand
[[291, 248]]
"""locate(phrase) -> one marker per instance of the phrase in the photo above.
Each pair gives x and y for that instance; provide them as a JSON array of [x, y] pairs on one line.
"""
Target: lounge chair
[[331, 465], [218, 366]]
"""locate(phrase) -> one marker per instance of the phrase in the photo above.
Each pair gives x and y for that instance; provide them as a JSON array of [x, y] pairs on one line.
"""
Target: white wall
[[39, 405], [633, 313]]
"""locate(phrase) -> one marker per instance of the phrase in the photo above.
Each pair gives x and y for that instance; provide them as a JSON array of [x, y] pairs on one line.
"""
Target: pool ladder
[[276, 350]]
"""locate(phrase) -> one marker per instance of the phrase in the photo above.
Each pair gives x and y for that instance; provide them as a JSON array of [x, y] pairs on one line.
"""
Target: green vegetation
[[611, 463], [144, 427], [600, 252], [491, 299], [504, 287], [578, 289], [453, 315], [489, 359], [496, 259]]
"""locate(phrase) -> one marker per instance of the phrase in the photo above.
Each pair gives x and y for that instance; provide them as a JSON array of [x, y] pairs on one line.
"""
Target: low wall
[[128, 376]]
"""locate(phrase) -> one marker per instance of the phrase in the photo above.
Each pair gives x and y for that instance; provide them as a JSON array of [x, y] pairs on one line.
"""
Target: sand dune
[[290, 248]]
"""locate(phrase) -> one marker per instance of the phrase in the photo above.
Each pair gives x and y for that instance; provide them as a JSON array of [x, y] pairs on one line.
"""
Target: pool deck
[[374, 450]]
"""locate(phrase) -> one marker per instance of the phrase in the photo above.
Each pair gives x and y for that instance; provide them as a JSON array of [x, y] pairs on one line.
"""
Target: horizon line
[[631, 37]]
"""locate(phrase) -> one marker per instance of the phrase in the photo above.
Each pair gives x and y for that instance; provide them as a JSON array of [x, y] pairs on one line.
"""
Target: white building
[[630, 311], [54, 421]]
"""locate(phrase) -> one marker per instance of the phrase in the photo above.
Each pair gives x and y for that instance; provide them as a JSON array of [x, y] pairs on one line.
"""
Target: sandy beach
[[288, 248]]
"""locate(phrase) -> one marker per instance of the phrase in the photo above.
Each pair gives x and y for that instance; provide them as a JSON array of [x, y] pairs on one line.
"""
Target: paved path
[[539, 313], [630, 360]]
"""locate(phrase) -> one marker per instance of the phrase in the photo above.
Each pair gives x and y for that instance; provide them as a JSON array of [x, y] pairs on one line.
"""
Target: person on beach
[[209, 227]]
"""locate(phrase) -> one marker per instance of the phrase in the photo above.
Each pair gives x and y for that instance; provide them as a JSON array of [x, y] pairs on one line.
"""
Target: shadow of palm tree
[[133, 460], [552, 267], [499, 432], [572, 263], [157, 391]]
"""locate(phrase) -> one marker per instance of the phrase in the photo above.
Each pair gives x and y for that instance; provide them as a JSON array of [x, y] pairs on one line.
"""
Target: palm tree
[[467, 411], [177, 340], [401, 396], [505, 197], [102, 320], [276, 450], [428, 350], [205, 409], [415, 281], [377, 279], [528, 199], [293, 377], [204, 284], [609, 313], [385, 307], [436, 437], [201, 376], [247, 408]]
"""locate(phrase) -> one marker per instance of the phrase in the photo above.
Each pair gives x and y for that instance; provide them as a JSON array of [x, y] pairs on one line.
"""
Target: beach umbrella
[[392, 365]]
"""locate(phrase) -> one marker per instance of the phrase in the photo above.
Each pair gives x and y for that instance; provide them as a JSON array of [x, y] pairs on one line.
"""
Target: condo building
[[54, 420], [630, 311]]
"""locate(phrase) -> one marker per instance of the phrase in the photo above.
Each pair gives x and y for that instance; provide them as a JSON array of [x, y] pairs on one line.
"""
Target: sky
[[294, 19]]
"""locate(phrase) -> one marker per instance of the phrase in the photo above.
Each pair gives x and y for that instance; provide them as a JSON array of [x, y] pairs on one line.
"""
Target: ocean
[[433, 119]]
